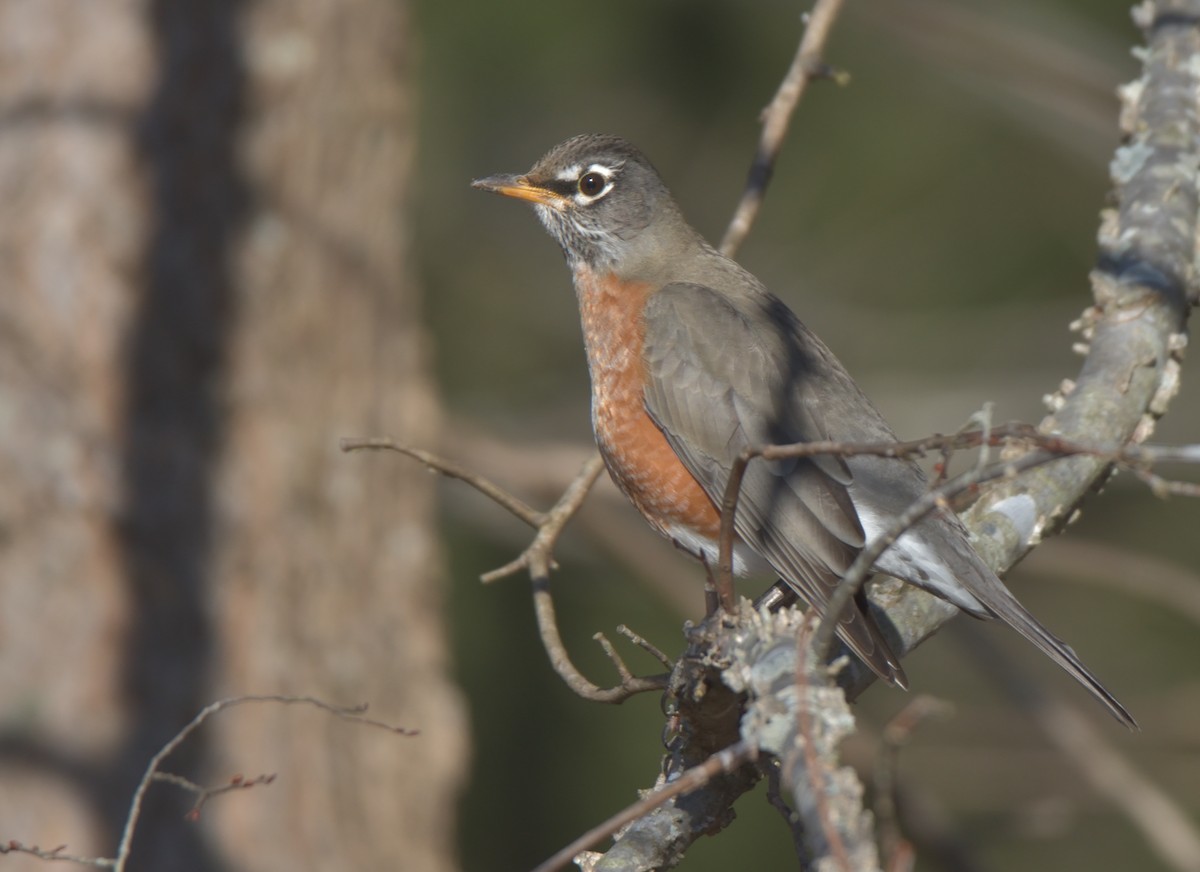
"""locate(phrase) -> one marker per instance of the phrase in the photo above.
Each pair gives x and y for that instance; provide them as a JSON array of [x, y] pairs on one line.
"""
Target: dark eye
[[591, 184]]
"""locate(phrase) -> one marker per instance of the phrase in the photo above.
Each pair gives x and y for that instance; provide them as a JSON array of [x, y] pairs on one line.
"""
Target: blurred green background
[[935, 222]]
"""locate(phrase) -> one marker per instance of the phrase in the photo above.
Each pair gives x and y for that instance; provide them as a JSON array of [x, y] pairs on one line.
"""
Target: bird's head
[[596, 195]]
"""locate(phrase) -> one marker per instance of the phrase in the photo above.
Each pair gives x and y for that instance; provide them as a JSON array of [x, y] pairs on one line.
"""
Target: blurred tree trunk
[[205, 285]]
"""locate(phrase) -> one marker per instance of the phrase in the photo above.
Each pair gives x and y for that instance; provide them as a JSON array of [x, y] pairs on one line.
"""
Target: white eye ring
[[593, 184]]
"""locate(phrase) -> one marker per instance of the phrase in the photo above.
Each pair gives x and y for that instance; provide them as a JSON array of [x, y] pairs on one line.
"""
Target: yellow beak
[[520, 188]]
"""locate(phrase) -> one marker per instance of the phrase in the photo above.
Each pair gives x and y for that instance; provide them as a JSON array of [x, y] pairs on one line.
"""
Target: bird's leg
[[712, 599], [778, 596]]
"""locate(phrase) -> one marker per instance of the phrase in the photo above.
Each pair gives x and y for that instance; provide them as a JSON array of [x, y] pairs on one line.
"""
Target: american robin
[[692, 361]]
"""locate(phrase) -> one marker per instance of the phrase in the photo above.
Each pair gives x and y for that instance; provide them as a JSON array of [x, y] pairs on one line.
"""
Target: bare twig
[[537, 558], [58, 854], [204, 794], [450, 469], [895, 735], [646, 646], [911, 448], [778, 116], [549, 525], [152, 773], [560, 660], [850, 583], [354, 713], [720, 763], [617, 661], [1049, 448]]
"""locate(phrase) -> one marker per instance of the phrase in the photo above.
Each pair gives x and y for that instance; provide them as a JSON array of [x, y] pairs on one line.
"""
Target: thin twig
[[537, 558], [450, 469], [930, 501], [549, 525], [617, 661], [646, 646], [1163, 488], [733, 490], [896, 734], [355, 713], [777, 117], [152, 774], [204, 794], [56, 854], [911, 448], [721, 763], [1051, 447], [560, 660]]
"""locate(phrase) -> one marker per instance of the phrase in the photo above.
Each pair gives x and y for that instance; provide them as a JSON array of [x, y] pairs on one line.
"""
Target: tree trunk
[[205, 286]]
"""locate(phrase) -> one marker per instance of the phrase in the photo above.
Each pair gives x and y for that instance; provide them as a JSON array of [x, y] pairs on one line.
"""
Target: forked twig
[[549, 525], [538, 557], [538, 560], [556, 650], [153, 773], [204, 794], [56, 854], [353, 713], [646, 646]]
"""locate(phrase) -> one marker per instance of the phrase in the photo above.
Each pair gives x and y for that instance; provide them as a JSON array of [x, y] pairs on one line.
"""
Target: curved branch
[[1142, 289]]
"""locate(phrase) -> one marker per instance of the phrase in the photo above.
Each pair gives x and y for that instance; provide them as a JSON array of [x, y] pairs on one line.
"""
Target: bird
[[692, 360]]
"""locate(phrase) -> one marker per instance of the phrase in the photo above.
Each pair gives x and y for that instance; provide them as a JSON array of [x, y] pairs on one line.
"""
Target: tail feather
[[937, 556], [1001, 603]]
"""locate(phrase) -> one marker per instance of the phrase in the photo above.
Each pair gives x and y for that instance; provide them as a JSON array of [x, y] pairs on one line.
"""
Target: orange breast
[[634, 449]]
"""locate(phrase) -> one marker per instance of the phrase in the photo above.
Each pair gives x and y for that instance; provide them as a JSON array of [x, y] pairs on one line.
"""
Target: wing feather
[[718, 382]]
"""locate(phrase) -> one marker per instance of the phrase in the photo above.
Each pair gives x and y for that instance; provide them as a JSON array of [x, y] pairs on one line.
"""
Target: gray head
[[596, 195]]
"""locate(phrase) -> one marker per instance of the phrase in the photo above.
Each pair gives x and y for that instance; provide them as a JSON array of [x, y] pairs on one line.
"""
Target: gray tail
[[1004, 606]]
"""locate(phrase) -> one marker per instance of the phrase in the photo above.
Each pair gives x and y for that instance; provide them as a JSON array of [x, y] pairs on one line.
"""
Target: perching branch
[[1133, 334]]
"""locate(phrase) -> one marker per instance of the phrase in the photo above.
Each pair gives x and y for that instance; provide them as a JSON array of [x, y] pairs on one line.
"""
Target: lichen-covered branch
[[1132, 334], [797, 714], [1133, 340]]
